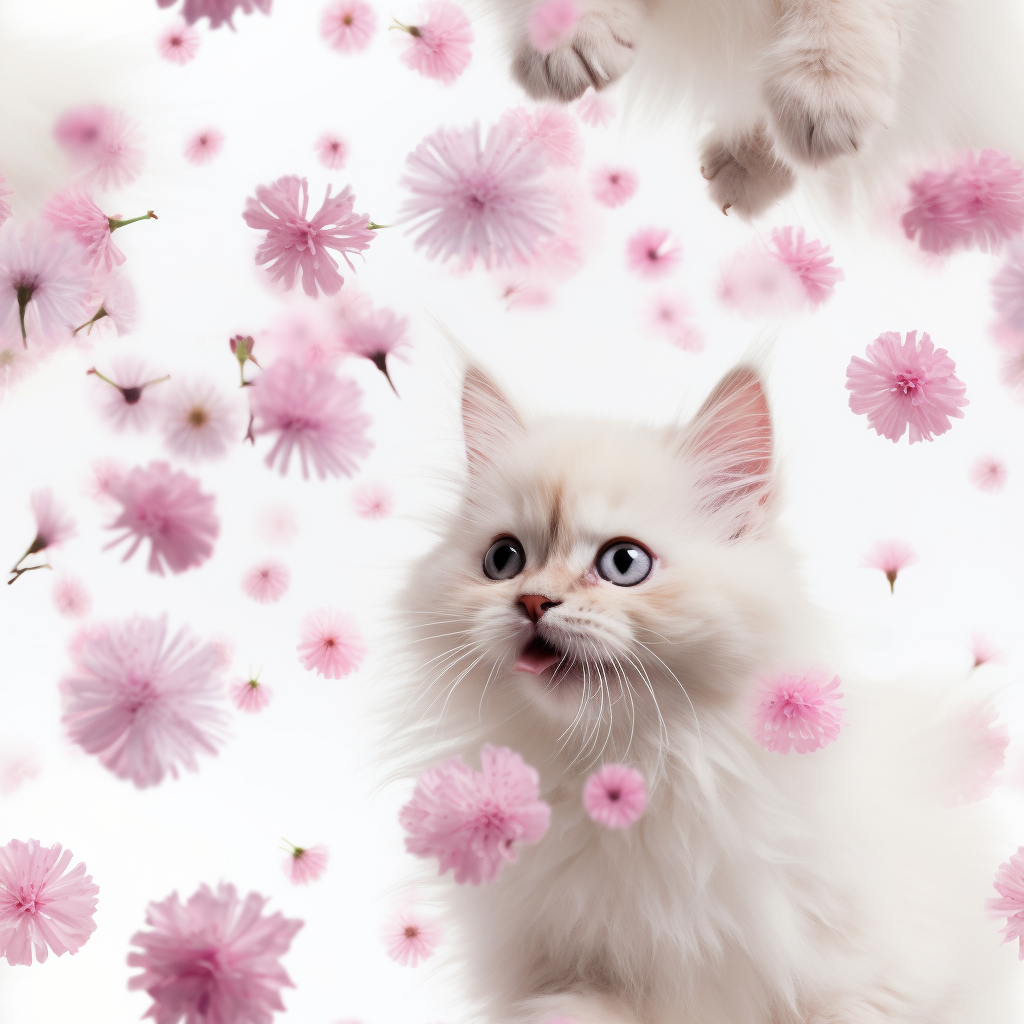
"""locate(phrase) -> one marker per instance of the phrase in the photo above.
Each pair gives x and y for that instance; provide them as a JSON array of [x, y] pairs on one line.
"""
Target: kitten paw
[[745, 174]]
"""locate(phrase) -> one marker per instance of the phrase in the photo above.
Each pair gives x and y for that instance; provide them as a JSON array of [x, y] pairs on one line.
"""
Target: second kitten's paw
[[744, 174]]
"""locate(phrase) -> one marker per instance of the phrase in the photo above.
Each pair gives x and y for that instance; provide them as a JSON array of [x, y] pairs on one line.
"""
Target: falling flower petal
[[800, 713]]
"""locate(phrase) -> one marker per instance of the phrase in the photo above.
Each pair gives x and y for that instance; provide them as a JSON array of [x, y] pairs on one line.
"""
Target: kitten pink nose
[[535, 605]]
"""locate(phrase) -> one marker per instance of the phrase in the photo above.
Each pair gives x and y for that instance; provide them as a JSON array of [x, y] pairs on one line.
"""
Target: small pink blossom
[[204, 145], [117, 306], [267, 583], [984, 651], [348, 25], [54, 523], [552, 22], [250, 695], [306, 864], [471, 820], [903, 383], [755, 283], [891, 557], [410, 937], [375, 335], [178, 43], [220, 12], [18, 765], [103, 143], [198, 421], [373, 500], [126, 400], [800, 713], [41, 907], [613, 186], [651, 253], [331, 151], [988, 474], [439, 46], [75, 212], [809, 260], [615, 796], [17, 362], [5, 208], [553, 129], [70, 597], [330, 643], [672, 316], [168, 509], [1009, 884], [595, 108]]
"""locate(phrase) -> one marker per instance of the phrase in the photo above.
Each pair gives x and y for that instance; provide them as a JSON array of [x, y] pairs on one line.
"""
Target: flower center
[[906, 382], [131, 395], [347, 20], [614, 794], [198, 416], [411, 931]]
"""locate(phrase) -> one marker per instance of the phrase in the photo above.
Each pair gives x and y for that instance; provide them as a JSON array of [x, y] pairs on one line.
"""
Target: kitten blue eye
[[624, 563], [505, 558]]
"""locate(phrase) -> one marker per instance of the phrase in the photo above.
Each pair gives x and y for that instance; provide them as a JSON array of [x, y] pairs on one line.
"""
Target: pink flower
[[128, 403], [800, 713], [1008, 287], [673, 317], [17, 362], [976, 201], [1011, 341], [553, 128], [178, 43], [471, 820], [330, 643], [650, 253], [301, 335], [331, 151], [117, 304], [595, 109], [551, 23], [250, 695], [306, 864], [373, 500], [103, 143], [479, 202], [988, 474], [214, 960], [17, 766], [984, 754], [70, 597], [810, 261], [54, 524], [615, 796], [311, 411], [295, 244], [5, 208], [220, 12], [167, 509], [41, 907], [267, 583], [1009, 884], [75, 212], [984, 651], [409, 937], [144, 705], [755, 283], [903, 383], [439, 44], [613, 186], [278, 524], [348, 25], [891, 557], [198, 421], [202, 147], [375, 335]]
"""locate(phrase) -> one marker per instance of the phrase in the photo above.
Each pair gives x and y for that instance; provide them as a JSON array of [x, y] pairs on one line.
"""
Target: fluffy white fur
[[838, 887]]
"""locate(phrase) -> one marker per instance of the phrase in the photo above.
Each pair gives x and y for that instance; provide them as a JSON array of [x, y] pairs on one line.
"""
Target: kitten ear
[[488, 419]]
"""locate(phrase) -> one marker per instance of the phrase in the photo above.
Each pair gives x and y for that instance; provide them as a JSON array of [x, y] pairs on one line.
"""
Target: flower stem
[[411, 29], [24, 298], [99, 315], [374, 226], [115, 224], [18, 573]]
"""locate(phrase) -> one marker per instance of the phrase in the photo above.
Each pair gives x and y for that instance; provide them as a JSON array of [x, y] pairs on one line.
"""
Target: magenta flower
[[167, 509], [178, 43], [213, 960], [891, 557], [305, 864], [903, 383], [267, 583], [975, 202], [348, 25], [313, 412], [552, 22], [373, 500], [615, 796], [595, 109], [5, 208], [800, 713], [1009, 884], [471, 820], [613, 186], [672, 316], [250, 695], [41, 907], [220, 12], [128, 404], [651, 253], [331, 151], [103, 143], [988, 474], [330, 643], [75, 212], [145, 705], [70, 597], [410, 937], [375, 335], [295, 244], [202, 147], [439, 46], [809, 260], [471, 201], [198, 421], [553, 129]]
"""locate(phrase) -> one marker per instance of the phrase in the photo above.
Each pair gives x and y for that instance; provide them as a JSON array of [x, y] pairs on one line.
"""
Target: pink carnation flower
[[306, 864], [1009, 884], [5, 208], [615, 796], [220, 12], [410, 937], [74, 211], [988, 474], [754, 283], [41, 907], [373, 500], [905, 383], [145, 705], [439, 46], [375, 335], [330, 643], [471, 201], [976, 201], [651, 253], [595, 109], [296, 245], [331, 151], [800, 713], [117, 306], [198, 421], [54, 523], [313, 412], [471, 821], [672, 316], [891, 557], [250, 695], [613, 186], [70, 597], [168, 509], [127, 401], [103, 143], [553, 129], [551, 23], [267, 583], [808, 260], [202, 147], [348, 25], [178, 43], [215, 959]]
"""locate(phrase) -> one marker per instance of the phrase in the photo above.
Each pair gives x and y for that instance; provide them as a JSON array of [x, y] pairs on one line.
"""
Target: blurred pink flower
[[202, 147], [54, 524], [801, 713], [471, 201], [41, 907], [672, 316], [300, 335], [891, 557], [331, 151], [551, 23], [167, 509], [808, 260], [1011, 341], [104, 143], [439, 46], [905, 383], [198, 421], [651, 253], [409, 937], [988, 474], [278, 524], [984, 754], [756, 284], [375, 335], [984, 651], [75, 212], [295, 244], [71, 597], [553, 128], [471, 820], [613, 186], [615, 796], [306, 864], [330, 643], [250, 695], [116, 298], [17, 362], [214, 960], [126, 400], [1008, 287], [1009, 884], [145, 705], [18, 765], [102, 474], [267, 582], [595, 109], [313, 412], [348, 25], [220, 12], [5, 208], [373, 500], [178, 43]]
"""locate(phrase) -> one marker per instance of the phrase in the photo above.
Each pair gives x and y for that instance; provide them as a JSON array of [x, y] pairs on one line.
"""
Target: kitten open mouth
[[538, 656]]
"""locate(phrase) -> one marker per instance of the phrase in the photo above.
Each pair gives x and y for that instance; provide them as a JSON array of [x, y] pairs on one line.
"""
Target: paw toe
[[745, 175]]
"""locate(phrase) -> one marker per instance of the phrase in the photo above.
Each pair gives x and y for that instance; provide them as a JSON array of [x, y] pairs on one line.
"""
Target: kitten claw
[[745, 174], [725, 208]]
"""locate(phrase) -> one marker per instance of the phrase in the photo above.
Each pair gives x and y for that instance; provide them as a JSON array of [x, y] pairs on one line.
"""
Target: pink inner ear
[[488, 419]]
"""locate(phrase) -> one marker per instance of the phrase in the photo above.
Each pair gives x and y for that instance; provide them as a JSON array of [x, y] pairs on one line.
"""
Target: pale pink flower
[[595, 108], [295, 244], [75, 212], [278, 524], [439, 46], [223, 650], [5, 208], [373, 500], [168, 509], [214, 960], [810, 261], [313, 412], [267, 582], [17, 362], [204, 145], [116, 305], [331, 151], [250, 695], [375, 335], [613, 186], [104, 143], [18, 765], [178, 43], [651, 253], [754, 283], [551, 23], [1008, 287], [984, 651], [890, 557], [553, 128], [102, 474], [41, 907], [300, 335], [615, 796], [348, 25], [472, 201], [800, 713], [988, 474], [471, 821], [975, 201], [306, 864], [1009, 884], [220, 12], [903, 383], [672, 316], [1011, 341], [198, 421], [144, 704], [984, 754], [126, 400], [330, 643], [54, 524], [409, 937], [71, 597]]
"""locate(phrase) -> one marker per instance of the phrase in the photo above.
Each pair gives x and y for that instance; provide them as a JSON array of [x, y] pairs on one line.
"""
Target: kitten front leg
[[744, 173], [579, 1007], [831, 75]]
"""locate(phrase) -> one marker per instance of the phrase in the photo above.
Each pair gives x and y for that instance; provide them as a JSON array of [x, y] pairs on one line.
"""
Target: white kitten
[[609, 593]]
